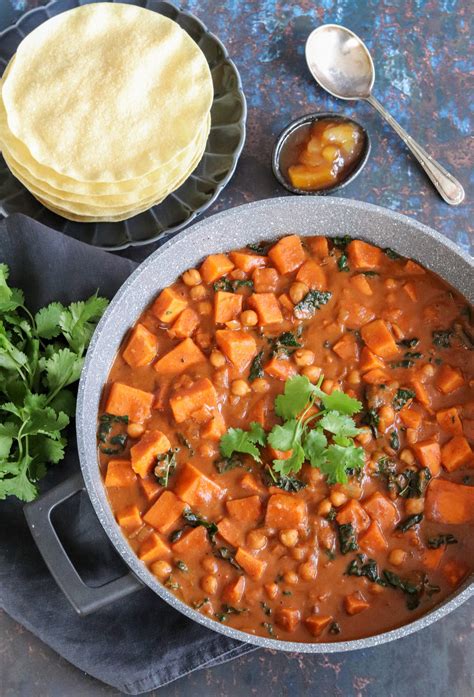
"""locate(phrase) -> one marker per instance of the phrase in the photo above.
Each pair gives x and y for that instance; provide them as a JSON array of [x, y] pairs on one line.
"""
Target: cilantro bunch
[[317, 428], [40, 357]]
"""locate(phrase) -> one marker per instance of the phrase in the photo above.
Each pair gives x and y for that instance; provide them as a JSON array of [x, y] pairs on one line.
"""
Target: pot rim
[[86, 403]]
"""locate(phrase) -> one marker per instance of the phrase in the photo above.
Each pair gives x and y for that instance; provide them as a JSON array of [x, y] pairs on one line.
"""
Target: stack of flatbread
[[104, 111]]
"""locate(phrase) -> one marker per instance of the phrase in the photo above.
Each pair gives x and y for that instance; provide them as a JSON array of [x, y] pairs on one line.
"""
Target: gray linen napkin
[[140, 643]]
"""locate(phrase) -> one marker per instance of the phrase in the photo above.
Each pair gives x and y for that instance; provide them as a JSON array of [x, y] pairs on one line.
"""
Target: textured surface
[[420, 50]]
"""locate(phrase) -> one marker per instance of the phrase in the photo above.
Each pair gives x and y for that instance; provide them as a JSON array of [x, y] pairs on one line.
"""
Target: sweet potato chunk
[[247, 510], [141, 347], [449, 503], [363, 255], [369, 361], [287, 618], [267, 308], [379, 339], [233, 592], [454, 571], [193, 487], [377, 376], [353, 513], [215, 266], [360, 283], [373, 540], [456, 453], [185, 325], [346, 347], [215, 428], [251, 565], [413, 268], [449, 379], [227, 306], [248, 262], [316, 624], [355, 603], [195, 542], [428, 453], [119, 474], [180, 358], [230, 531], [265, 280], [287, 254], [143, 453], [411, 417], [422, 394], [382, 510], [168, 305], [153, 548], [150, 488], [410, 290], [318, 245], [285, 511], [312, 275], [187, 400], [449, 421], [238, 346], [358, 315], [165, 512], [431, 558], [129, 519], [250, 483], [124, 400], [280, 368]]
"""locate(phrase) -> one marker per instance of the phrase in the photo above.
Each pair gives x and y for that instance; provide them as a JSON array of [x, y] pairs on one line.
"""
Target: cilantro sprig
[[41, 355], [316, 427]]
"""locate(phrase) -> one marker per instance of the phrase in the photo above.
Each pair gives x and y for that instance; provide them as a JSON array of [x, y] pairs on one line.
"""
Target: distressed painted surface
[[420, 49]]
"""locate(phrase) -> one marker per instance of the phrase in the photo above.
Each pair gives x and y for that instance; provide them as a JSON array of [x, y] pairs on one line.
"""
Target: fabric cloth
[[139, 643]]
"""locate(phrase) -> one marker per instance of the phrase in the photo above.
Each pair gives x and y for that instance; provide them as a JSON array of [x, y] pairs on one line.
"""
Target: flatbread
[[107, 92]]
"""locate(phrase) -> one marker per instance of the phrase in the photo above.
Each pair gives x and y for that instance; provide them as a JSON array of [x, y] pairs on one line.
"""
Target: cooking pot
[[264, 220]]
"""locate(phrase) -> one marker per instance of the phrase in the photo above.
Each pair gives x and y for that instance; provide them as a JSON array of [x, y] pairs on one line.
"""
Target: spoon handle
[[447, 186]]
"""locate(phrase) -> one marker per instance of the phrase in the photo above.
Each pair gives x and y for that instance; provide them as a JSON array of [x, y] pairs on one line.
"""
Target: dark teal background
[[421, 53]]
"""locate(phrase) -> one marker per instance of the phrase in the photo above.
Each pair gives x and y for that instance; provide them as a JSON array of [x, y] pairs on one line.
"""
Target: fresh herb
[[391, 254], [362, 566], [284, 344], [329, 553], [224, 284], [185, 443], [370, 274], [412, 483], [260, 248], [311, 302], [181, 566], [404, 363], [409, 343], [394, 440], [194, 520], [221, 616], [228, 555], [347, 538], [413, 354], [409, 522], [442, 338], [166, 466], [266, 608], [236, 440], [332, 514], [285, 482], [111, 441], [172, 584], [441, 541], [176, 535], [407, 587], [401, 398], [269, 627], [228, 463], [256, 367], [371, 418], [341, 242], [231, 610], [198, 604], [342, 264], [334, 628], [287, 593], [35, 374]]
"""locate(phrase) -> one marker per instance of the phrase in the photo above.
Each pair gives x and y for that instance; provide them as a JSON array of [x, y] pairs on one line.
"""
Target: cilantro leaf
[[8, 431], [62, 369], [283, 437], [47, 320], [315, 445], [291, 464], [341, 402], [78, 321], [295, 397], [236, 440], [339, 459], [339, 424]]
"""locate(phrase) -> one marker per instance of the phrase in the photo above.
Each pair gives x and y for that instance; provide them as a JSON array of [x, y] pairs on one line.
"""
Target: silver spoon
[[340, 62]]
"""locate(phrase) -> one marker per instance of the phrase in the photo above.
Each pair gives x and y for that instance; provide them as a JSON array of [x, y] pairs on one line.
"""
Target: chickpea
[[217, 359], [308, 570], [239, 388], [198, 293], [298, 553], [210, 565], [209, 584], [328, 386], [303, 357], [191, 277], [390, 283], [238, 275], [298, 291], [233, 324], [291, 578], [289, 537], [375, 589], [330, 153], [412, 435], [407, 456], [386, 417], [414, 506], [260, 385], [397, 557], [203, 339], [135, 430], [426, 372], [161, 569], [256, 539], [365, 436], [249, 318], [338, 498], [207, 450], [271, 589], [204, 307], [353, 378], [324, 507], [353, 490], [312, 372]]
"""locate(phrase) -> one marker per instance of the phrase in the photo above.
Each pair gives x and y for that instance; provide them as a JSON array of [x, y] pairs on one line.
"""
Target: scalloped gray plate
[[223, 148]]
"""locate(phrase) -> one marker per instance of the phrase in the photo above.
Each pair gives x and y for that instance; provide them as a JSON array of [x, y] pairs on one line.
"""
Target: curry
[[285, 438]]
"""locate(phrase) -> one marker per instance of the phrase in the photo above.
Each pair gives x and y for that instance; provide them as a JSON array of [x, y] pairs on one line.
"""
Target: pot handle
[[84, 599]]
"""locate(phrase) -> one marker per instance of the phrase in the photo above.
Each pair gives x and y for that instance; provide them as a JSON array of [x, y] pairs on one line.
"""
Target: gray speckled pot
[[234, 228]]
